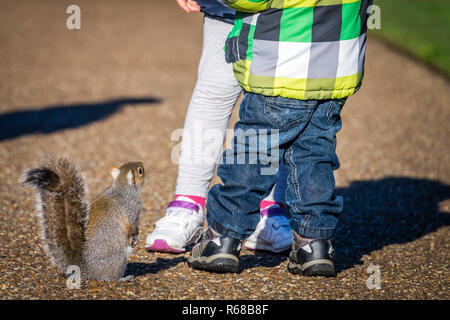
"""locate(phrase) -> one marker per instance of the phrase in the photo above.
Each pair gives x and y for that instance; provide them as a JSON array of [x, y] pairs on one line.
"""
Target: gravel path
[[125, 79]]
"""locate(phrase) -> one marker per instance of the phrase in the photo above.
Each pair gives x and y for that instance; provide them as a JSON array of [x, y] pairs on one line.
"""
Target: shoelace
[[205, 235], [175, 216]]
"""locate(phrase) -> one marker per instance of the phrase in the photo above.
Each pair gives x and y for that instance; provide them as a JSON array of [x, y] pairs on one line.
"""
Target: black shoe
[[312, 259], [217, 254]]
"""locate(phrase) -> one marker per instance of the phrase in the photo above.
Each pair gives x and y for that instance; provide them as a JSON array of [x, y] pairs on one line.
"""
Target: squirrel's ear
[[114, 172], [130, 177]]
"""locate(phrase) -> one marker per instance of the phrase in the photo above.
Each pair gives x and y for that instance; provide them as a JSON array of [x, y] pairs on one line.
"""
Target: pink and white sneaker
[[273, 232], [182, 222]]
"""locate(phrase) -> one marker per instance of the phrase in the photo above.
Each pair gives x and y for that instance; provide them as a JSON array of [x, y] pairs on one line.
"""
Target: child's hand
[[188, 5]]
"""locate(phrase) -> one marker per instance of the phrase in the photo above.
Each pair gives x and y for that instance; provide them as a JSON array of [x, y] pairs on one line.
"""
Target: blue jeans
[[302, 134]]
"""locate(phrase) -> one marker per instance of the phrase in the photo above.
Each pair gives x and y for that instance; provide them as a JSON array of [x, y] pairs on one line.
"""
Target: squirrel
[[97, 236]]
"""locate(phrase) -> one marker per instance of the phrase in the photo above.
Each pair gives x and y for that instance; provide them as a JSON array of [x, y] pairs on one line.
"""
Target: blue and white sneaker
[[273, 232]]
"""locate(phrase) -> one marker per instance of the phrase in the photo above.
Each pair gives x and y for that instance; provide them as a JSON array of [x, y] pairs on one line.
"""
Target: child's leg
[[313, 206], [308, 129], [311, 160], [210, 108]]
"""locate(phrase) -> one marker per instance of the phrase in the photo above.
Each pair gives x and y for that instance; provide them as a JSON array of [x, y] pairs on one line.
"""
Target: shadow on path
[[393, 210], [60, 117], [138, 269], [262, 259]]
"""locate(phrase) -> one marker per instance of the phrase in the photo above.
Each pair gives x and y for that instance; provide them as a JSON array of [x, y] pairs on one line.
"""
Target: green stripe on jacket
[[302, 49]]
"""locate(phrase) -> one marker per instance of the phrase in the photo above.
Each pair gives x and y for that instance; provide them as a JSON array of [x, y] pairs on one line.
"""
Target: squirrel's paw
[[128, 278]]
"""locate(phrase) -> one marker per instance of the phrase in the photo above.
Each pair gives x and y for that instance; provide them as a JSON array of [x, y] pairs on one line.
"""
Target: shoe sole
[[221, 263], [315, 268], [160, 245]]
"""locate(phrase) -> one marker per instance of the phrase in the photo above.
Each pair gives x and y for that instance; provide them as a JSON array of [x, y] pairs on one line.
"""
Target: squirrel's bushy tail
[[62, 210]]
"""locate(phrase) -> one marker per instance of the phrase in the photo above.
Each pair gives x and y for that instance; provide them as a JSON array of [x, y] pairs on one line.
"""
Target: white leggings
[[208, 114]]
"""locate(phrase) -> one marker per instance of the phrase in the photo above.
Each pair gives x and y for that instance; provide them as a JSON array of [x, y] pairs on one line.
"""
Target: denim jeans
[[302, 133]]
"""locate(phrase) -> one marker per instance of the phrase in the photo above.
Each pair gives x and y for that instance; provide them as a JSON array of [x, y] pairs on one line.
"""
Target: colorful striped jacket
[[301, 49]]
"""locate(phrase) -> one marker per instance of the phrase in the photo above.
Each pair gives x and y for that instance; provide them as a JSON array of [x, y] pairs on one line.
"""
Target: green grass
[[421, 27]]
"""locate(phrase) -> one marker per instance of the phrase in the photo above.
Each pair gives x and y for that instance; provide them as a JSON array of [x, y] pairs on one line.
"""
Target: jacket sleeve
[[250, 6]]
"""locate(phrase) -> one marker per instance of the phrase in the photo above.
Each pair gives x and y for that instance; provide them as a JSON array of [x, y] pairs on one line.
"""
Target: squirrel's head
[[131, 174]]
